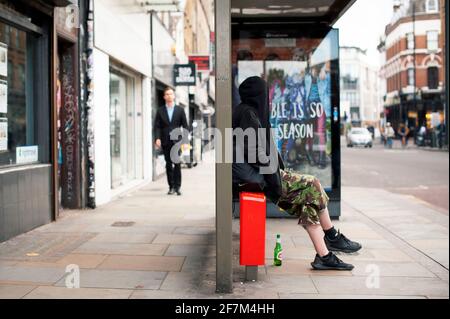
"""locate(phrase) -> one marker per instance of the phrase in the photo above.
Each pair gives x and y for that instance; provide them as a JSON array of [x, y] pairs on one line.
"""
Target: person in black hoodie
[[257, 162]]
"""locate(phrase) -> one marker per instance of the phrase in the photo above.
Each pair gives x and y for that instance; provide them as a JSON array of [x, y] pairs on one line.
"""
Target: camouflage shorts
[[302, 196]]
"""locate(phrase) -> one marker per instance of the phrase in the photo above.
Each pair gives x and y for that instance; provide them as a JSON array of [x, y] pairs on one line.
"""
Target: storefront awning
[[327, 11]]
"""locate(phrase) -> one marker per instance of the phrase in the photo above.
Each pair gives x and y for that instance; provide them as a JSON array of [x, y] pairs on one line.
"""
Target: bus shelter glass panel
[[300, 66]]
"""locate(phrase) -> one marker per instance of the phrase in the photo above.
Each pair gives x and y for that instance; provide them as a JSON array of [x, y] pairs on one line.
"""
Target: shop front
[[121, 100], [425, 110], [67, 113], [27, 166]]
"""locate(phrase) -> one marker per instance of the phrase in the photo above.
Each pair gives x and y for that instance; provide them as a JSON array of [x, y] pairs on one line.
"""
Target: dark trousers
[[173, 171]]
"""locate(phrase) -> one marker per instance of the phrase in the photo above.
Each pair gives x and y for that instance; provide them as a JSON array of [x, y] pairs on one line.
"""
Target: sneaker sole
[[346, 251], [331, 268]]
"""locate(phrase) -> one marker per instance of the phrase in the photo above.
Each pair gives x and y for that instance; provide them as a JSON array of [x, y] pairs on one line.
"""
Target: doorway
[[122, 128], [67, 126]]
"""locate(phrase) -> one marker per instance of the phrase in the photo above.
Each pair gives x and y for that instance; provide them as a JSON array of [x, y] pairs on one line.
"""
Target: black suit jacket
[[163, 126]]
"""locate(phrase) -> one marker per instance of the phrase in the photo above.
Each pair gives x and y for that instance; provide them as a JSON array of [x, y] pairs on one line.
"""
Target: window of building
[[349, 83], [18, 141], [432, 40], [411, 77], [432, 6], [410, 41], [433, 77], [123, 123]]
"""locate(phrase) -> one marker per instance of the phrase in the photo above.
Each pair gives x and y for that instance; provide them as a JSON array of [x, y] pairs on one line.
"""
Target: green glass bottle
[[278, 253]]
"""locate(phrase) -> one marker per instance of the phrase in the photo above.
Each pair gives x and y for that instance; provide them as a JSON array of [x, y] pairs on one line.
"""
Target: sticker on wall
[[3, 59], [3, 96], [27, 154], [3, 134]]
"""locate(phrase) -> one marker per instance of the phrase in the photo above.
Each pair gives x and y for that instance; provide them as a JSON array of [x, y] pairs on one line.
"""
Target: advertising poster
[[300, 97], [3, 59], [300, 108], [3, 97], [3, 134]]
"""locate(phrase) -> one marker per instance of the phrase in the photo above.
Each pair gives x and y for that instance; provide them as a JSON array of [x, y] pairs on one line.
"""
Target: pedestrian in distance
[[441, 134], [403, 131], [389, 134], [298, 194], [170, 117]]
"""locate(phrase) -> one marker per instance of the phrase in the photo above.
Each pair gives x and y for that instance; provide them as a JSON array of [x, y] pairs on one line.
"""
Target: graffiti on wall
[[69, 128], [90, 105]]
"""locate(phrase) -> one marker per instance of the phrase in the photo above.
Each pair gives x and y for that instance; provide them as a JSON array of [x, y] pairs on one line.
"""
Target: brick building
[[414, 64]]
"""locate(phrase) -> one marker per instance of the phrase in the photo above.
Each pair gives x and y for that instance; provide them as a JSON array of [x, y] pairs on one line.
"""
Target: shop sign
[[27, 154], [201, 61], [184, 74]]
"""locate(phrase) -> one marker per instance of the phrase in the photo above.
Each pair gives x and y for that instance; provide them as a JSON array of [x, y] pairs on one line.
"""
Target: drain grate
[[122, 224]]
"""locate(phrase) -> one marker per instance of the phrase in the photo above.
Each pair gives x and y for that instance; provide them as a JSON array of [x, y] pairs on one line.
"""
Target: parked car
[[359, 137]]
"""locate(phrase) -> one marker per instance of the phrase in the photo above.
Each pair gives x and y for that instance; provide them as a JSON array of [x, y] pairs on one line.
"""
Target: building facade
[[89, 138], [199, 46], [360, 88], [34, 57], [120, 72], [414, 69]]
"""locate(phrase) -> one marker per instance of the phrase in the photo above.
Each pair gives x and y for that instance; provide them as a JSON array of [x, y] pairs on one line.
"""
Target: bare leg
[[325, 219], [316, 234]]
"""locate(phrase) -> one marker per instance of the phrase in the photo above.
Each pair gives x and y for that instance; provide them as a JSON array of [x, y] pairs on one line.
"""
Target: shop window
[[410, 41], [433, 78], [122, 127], [411, 77], [432, 40], [17, 136]]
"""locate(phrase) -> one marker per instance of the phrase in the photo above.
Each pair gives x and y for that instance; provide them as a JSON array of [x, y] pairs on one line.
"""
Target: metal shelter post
[[224, 249]]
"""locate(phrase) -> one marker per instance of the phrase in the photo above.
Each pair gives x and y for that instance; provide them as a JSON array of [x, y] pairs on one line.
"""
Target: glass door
[[122, 137]]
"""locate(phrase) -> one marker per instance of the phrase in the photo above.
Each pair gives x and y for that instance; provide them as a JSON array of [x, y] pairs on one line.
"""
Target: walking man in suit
[[168, 118]]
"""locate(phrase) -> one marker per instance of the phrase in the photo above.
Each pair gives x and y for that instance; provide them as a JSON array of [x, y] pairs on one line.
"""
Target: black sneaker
[[178, 192], [342, 244], [330, 262], [171, 191]]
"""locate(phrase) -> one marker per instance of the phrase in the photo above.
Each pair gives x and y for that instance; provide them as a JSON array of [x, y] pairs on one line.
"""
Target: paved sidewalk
[[149, 245]]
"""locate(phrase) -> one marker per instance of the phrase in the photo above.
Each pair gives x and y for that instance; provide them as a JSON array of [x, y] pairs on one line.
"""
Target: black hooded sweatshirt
[[253, 113]]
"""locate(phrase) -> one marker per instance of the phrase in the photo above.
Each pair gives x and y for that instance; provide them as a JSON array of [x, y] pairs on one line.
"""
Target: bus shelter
[[294, 47]]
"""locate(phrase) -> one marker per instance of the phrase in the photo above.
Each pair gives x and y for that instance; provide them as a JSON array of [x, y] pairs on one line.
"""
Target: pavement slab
[[29, 275], [118, 279], [81, 260], [78, 293], [400, 286], [191, 250], [147, 263], [14, 291], [122, 249]]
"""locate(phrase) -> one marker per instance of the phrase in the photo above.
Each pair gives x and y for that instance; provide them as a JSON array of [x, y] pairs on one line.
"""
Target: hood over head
[[254, 92]]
